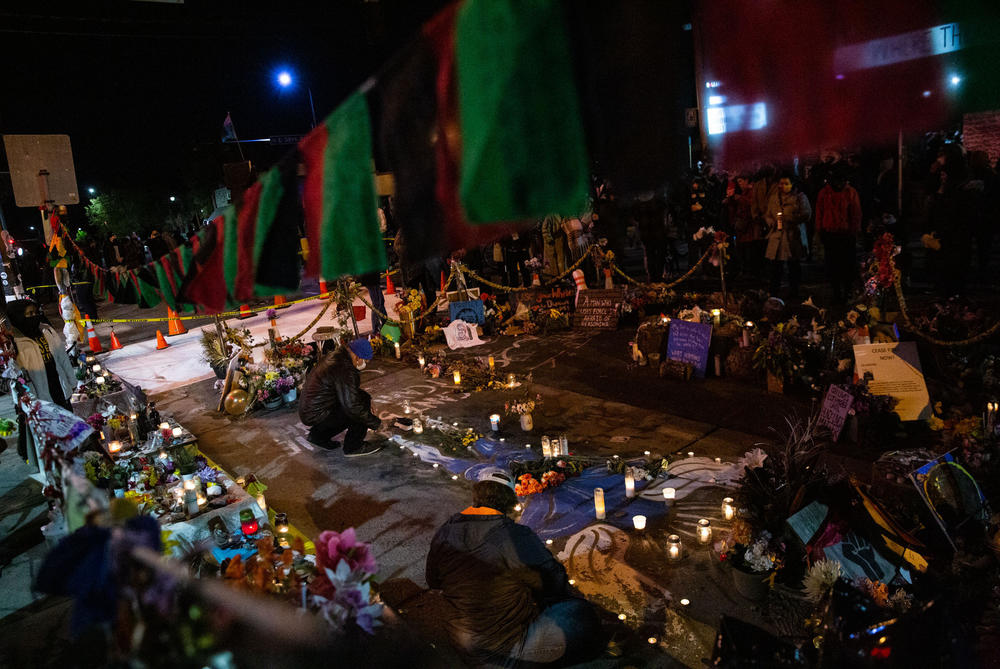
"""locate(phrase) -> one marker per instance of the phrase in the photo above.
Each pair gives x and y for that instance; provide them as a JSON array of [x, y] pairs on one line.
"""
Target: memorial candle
[[177, 432], [704, 531], [396, 347], [114, 446], [716, 317], [492, 362], [669, 493], [100, 380], [421, 361], [728, 510], [674, 548], [495, 422], [599, 503], [458, 378], [639, 522], [96, 369], [629, 483]]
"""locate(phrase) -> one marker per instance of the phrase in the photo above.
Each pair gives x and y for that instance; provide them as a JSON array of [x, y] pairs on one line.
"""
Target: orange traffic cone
[[161, 343], [174, 324], [92, 340], [245, 311], [115, 344], [274, 326], [279, 300], [390, 288], [322, 287]]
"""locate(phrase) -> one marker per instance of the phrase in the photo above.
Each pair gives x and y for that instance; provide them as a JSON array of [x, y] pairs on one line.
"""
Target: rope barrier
[[520, 289], [304, 330], [663, 286], [898, 285], [52, 285]]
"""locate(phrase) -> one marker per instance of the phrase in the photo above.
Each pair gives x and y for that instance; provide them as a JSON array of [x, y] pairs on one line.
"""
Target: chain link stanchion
[[521, 289], [898, 284], [663, 286], [307, 328]]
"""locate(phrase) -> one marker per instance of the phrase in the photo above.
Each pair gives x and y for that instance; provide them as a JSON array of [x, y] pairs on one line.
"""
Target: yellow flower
[[935, 423]]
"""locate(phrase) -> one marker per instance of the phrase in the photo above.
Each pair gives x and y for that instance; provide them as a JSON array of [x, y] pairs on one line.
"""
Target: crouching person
[[511, 596]]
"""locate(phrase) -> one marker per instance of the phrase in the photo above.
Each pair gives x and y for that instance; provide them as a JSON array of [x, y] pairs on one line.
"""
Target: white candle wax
[[396, 347], [629, 484], [495, 422], [704, 531], [639, 522], [728, 510], [669, 493]]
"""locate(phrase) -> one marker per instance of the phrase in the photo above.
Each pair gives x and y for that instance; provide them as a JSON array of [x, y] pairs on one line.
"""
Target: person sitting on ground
[[333, 401], [511, 596]]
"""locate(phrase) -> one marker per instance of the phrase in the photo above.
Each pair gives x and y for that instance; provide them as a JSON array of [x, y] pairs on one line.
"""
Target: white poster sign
[[460, 334], [894, 369]]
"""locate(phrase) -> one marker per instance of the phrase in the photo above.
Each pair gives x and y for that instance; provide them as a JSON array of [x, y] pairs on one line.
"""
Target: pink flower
[[332, 547]]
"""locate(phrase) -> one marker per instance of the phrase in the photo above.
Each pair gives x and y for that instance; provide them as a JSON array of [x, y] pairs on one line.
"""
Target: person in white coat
[[41, 353]]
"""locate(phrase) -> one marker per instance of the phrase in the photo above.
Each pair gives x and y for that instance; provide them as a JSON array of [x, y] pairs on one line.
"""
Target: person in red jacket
[[838, 220]]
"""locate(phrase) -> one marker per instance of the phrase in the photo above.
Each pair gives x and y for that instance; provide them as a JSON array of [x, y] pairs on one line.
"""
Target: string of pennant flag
[[483, 137]]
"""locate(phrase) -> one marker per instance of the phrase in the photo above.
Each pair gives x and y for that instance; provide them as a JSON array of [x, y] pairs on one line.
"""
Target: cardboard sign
[[598, 308], [836, 406], [894, 370], [471, 311], [689, 342], [556, 297]]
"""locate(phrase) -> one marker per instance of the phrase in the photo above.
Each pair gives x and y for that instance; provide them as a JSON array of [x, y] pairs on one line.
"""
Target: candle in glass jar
[[492, 363], [546, 447], [599, 503], [704, 531], [669, 493], [716, 316], [629, 483], [100, 380], [495, 422], [396, 347], [114, 446], [728, 511], [96, 369], [563, 445], [511, 380], [674, 548], [746, 334], [458, 378], [177, 432], [639, 522], [421, 361]]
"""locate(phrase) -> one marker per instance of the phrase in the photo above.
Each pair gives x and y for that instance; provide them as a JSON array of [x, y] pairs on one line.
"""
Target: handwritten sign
[[598, 308], [556, 297], [689, 342], [833, 413], [894, 369]]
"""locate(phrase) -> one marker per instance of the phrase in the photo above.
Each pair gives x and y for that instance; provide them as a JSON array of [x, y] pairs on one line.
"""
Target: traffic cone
[[161, 343], [322, 287], [174, 324], [245, 311], [279, 300], [390, 288], [274, 326], [115, 344], [92, 340]]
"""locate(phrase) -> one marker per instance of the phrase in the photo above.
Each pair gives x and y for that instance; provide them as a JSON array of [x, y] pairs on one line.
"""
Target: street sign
[[41, 170]]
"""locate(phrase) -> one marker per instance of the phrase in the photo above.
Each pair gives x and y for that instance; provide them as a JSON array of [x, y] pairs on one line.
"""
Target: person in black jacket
[[511, 596], [332, 401]]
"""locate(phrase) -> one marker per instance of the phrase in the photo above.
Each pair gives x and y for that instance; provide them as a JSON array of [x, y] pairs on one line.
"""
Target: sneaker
[[365, 448]]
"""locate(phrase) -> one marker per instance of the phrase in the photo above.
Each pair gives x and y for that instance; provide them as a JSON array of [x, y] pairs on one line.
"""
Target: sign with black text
[[836, 405], [894, 369], [598, 309]]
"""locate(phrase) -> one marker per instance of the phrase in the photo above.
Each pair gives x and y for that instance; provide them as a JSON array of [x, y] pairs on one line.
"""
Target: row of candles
[[166, 432], [674, 544]]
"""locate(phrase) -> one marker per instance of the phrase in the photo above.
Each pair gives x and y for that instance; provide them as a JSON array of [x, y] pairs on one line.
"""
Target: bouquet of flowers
[[759, 553], [523, 406], [879, 275], [779, 353], [533, 264], [341, 589], [411, 304]]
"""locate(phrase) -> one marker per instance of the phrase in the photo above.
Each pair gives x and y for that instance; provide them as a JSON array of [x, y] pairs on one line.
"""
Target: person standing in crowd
[[156, 246], [838, 221], [787, 212], [764, 187], [41, 353], [511, 596], [954, 208], [650, 214], [553, 245], [333, 401], [984, 225], [515, 254], [740, 221]]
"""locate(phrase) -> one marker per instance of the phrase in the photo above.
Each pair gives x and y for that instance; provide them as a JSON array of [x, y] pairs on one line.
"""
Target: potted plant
[[268, 391], [286, 385], [523, 408], [779, 356], [754, 559]]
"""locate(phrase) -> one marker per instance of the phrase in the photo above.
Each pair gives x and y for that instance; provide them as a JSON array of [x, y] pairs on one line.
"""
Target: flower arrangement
[[538, 469], [820, 578], [550, 320], [341, 589], [879, 275], [778, 353], [527, 484], [533, 264], [523, 406], [96, 421], [718, 251], [270, 314], [411, 304], [899, 600]]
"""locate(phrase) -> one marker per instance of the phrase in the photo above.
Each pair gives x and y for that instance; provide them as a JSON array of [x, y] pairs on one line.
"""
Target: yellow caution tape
[[224, 314]]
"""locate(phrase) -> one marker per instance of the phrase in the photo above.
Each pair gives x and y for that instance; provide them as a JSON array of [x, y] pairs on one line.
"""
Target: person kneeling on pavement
[[332, 401], [512, 599]]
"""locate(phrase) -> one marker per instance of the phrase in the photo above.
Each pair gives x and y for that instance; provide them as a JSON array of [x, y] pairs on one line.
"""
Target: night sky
[[142, 88]]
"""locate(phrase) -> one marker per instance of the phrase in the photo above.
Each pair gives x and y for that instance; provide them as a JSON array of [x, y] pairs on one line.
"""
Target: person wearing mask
[[41, 353], [787, 212], [332, 401], [838, 221], [511, 596]]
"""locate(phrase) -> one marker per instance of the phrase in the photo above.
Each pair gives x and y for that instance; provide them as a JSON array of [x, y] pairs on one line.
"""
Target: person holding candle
[[333, 401], [511, 596]]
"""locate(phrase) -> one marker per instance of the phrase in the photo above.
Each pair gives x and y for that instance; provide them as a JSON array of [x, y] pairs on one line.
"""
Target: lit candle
[[202, 500], [646, 453], [396, 346], [674, 548], [281, 527], [96, 369], [669, 493], [114, 446], [718, 461], [546, 447], [664, 319], [716, 316], [599, 503], [511, 380], [495, 422], [704, 531], [421, 361], [177, 432], [639, 522], [492, 363], [690, 454], [190, 484], [629, 483], [746, 334], [406, 406], [100, 380], [418, 426], [261, 502], [728, 511], [164, 426], [90, 359], [458, 378]]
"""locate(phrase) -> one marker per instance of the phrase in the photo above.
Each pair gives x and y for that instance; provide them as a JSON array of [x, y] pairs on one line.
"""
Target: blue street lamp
[[285, 80]]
